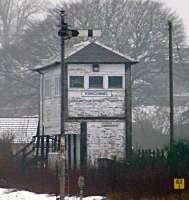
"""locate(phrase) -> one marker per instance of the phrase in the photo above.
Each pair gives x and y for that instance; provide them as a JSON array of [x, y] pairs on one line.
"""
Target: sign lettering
[[96, 93]]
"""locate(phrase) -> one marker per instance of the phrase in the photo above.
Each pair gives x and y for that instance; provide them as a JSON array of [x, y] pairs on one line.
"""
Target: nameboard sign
[[109, 124], [96, 93]]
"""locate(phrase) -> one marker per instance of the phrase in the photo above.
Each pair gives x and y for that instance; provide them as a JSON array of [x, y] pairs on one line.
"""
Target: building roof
[[91, 52], [21, 129], [97, 52]]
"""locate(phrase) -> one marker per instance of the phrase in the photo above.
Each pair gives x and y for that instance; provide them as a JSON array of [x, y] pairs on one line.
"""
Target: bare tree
[[15, 18], [136, 27]]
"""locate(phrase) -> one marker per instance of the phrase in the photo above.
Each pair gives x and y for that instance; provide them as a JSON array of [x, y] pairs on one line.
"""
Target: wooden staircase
[[36, 152]]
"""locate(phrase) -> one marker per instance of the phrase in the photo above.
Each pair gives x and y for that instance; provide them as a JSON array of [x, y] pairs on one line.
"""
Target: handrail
[[25, 147], [47, 139], [29, 152]]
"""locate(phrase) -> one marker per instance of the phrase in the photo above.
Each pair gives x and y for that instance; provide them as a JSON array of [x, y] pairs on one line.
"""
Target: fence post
[[58, 142], [154, 154], [38, 145], [47, 147], [42, 147], [54, 148], [149, 153], [23, 158], [158, 153], [162, 155]]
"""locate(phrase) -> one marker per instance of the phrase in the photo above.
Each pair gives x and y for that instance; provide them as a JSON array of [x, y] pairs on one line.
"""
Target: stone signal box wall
[[98, 108]]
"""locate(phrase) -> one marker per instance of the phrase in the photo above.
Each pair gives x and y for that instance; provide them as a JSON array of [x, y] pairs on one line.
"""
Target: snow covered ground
[[11, 194]]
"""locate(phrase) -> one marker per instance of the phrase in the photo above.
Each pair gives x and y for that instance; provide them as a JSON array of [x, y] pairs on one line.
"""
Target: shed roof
[[21, 129], [91, 52]]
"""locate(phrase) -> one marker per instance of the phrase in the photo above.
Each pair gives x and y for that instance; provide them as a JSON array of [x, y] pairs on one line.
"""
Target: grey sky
[[181, 7]]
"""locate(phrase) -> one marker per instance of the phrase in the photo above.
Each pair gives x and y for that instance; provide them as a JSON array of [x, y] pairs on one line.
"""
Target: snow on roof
[[81, 45], [116, 52], [77, 47], [55, 59], [71, 55], [21, 129]]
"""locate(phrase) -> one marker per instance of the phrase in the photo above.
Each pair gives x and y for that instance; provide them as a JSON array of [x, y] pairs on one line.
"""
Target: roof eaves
[[99, 62], [117, 52], [79, 47], [41, 67]]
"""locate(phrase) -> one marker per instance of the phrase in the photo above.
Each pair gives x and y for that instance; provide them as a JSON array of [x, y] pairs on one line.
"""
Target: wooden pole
[[128, 112], [62, 113], [171, 86]]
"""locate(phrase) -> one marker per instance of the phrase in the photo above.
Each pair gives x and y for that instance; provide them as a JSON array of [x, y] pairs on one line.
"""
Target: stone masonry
[[105, 139]]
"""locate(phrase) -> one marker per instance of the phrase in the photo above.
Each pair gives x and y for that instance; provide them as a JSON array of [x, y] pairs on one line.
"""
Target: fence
[[151, 154]]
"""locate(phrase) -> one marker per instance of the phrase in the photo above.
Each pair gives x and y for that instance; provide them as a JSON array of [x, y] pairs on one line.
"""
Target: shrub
[[178, 158], [12, 175]]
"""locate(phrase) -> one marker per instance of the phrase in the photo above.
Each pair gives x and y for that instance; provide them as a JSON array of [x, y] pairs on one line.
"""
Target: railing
[[141, 157], [25, 148], [39, 148], [151, 154], [45, 144]]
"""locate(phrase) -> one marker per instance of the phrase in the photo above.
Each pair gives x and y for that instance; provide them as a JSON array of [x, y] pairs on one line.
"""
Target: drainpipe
[[41, 107], [41, 101], [42, 116]]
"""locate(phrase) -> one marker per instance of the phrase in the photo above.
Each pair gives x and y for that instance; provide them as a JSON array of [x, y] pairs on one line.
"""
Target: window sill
[[90, 89]]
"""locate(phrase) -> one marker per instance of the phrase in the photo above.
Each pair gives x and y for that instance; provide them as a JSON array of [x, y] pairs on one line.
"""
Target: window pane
[[57, 86], [115, 81], [96, 82], [76, 82], [47, 88]]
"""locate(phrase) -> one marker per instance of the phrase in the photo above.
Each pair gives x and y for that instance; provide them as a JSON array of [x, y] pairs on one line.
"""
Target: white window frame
[[47, 88], [57, 85]]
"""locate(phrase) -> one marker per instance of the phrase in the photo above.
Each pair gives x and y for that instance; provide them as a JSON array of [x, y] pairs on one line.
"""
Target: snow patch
[[11, 194]]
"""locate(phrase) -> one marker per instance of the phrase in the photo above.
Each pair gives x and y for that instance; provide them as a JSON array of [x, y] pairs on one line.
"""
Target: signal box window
[[95, 81], [76, 81], [115, 82], [57, 86], [47, 88]]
